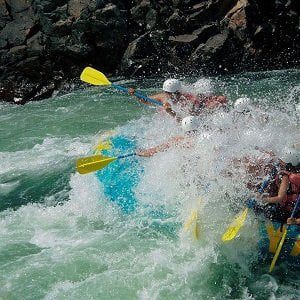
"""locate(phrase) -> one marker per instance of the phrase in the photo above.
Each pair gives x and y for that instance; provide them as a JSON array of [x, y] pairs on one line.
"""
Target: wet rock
[[237, 19], [15, 32], [177, 22], [75, 7], [219, 54], [35, 45], [206, 32], [17, 6], [139, 56], [41, 38], [144, 14], [62, 27], [4, 15]]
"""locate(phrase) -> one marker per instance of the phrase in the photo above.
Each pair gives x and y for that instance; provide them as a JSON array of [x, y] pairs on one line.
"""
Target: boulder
[[15, 32], [184, 38], [214, 45], [62, 28], [75, 7], [144, 14], [35, 45], [237, 19], [17, 6], [4, 14], [221, 53], [140, 55], [206, 31], [177, 22]]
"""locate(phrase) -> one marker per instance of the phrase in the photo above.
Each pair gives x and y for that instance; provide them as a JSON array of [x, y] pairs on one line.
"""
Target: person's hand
[[167, 105], [131, 91], [251, 203], [291, 221]]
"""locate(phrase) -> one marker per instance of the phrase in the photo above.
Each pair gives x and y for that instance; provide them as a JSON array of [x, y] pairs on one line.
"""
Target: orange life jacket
[[293, 191]]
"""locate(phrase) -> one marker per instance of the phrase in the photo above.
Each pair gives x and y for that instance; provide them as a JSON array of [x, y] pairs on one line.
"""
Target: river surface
[[61, 238]]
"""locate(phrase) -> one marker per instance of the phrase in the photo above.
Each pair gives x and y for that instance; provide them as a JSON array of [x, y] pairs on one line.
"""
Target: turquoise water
[[60, 238]]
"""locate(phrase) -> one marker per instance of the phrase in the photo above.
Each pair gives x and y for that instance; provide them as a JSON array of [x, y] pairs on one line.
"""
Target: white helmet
[[242, 104], [291, 155], [189, 123], [172, 86]]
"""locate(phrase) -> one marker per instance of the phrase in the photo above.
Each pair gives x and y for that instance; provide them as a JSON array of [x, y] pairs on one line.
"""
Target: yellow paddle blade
[[93, 163], [278, 251], [235, 226], [191, 224], [103, 145], [191, 219], [94, 77]]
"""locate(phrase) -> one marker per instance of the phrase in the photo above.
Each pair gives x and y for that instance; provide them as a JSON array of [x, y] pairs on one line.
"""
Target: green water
[[60, 238]]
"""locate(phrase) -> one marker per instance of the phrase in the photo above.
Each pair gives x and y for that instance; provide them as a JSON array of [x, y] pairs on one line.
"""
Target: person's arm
[[157, 97], [170, 111], [293, 221], [213, 102], [160, 98], [151, 151], [284, 185]]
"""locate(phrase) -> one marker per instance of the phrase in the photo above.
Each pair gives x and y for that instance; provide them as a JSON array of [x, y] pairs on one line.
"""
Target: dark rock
[[219, 54], [184, 38], [144, 15], [16, 31], [17, 6], [62, 28], [42, 39], [140, 55], [75, 7], [159, 40], [214, 45], [177, 22], [4, 15], [237, 19], [35, 45], [206, 32]]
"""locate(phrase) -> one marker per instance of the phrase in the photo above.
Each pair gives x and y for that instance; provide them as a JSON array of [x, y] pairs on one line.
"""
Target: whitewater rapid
[[61, 238]]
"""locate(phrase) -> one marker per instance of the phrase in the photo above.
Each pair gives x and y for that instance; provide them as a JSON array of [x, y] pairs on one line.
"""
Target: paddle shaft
[[125, 90], [126, 155]]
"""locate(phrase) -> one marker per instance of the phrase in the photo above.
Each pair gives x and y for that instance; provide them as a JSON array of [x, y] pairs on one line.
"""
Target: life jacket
[[186, 103], [293, 191], [212, 102]]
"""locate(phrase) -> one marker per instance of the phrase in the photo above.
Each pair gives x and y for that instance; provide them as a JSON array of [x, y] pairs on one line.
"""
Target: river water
[[61, 238]]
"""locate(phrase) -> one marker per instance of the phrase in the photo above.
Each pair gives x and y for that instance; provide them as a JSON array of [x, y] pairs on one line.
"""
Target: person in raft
[[245, 110], [281, 204], [179, 104], [189, 125]]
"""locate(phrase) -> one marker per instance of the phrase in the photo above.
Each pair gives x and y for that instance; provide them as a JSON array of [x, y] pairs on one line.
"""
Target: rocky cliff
[[46, 43]]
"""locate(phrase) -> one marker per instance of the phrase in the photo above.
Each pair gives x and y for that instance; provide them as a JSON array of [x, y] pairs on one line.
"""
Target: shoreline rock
[[44, 44]]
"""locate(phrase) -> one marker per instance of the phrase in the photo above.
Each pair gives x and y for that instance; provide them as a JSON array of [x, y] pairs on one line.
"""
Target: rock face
[[45, 43]]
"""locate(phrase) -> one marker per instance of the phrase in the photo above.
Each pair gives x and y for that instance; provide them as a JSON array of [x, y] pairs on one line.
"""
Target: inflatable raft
[[120, 178], [270, 236]]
